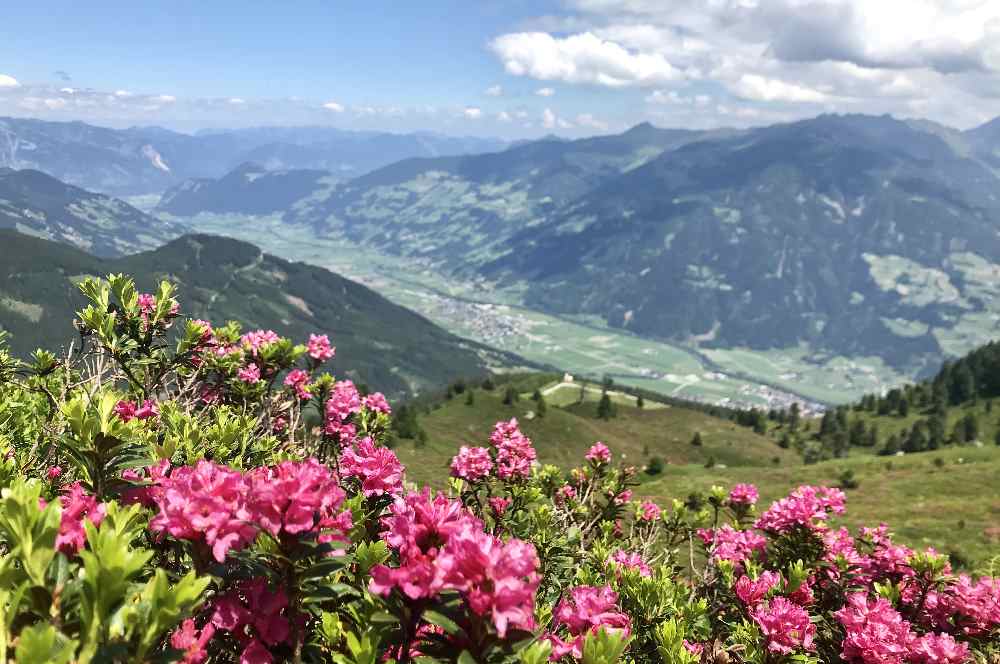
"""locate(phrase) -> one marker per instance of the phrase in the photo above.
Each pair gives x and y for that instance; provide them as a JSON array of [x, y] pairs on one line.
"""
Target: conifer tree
[[541, 408], [605, 409], [696, 440]]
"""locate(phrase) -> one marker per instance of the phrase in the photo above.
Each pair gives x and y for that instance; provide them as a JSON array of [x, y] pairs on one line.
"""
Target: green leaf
[[42, 644]]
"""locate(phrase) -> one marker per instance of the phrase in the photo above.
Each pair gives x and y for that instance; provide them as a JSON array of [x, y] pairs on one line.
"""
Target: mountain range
[[840, 236], [37, 204], [380, 344], [145, 160], [851, 235]]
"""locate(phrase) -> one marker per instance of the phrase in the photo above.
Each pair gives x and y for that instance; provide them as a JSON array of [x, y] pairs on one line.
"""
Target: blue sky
[[509, 68]]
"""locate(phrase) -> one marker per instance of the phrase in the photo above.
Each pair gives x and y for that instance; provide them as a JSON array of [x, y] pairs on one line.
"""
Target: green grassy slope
[[381, 344], [949, 499], [563, 435]]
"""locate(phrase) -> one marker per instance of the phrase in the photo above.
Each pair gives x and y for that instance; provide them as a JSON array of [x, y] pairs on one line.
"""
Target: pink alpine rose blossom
[[192, 641], [751, 592], [785, 625], [598, 454], [875, 633], [744, 495], [630, 560], [471, 463], [649, 511], [515, 454], [586, 610], [376, 466], [149, 409], [377, 402], [320, 348], [77, 506], [499, 505], [249, 374], [806, 507]]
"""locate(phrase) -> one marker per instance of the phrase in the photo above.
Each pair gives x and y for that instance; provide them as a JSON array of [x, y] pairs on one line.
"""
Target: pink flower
[[939, 649], [694, 648], [565, 493], [751, 592], [631, 561], [192, 642], [256, 653], [377, 467], [343, 402], [53, 473], [256, 339], [727, 543], [418, 527], [598, 454], [297, 379], [147, 304], [785, 625], [249, 374], [515, 454], [206, 502], [499, 505], [496, 578], [804, 507], [147, 410], [376, 401], [319, 347], [623, 497], [976, 606], [586, 610], [649, 511], [297, 497], [77, 505], [255, 615], [125, 410], [471, 463], [875, 633], [278, 424], [743, 494]]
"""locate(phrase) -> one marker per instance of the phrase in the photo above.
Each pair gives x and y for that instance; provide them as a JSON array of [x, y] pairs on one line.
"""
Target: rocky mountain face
[[144, 160], [381, 344], [36, 204]]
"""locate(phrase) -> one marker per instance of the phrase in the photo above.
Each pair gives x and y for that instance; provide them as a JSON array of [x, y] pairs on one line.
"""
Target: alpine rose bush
[[177, 491]]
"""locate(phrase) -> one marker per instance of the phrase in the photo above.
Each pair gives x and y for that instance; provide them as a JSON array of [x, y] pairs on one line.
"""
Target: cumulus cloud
[[552, 121], [753, 86], [334, 106], [473, 113], [775, 57], [504, 116], [545, 92], [580, 58], [494, 91], [8, 81], [237, 101]]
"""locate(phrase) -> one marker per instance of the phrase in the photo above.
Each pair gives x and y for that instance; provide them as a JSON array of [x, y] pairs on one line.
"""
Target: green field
[[563, 435], [948, 499]]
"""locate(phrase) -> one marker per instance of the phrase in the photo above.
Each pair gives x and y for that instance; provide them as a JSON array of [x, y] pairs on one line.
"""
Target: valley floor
[[580, 345]]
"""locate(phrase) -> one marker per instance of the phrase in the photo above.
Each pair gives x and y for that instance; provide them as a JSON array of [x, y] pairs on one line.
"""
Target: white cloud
[[8, 81], [581, 58], [672, 97], [590, 122], [237, 101], [545, 92], [334, 106], [67, 91], [122, 93], [552, 121], [503, 116], [494, 91], [473, 113], [783, 57], [165, 99], [760, 88]]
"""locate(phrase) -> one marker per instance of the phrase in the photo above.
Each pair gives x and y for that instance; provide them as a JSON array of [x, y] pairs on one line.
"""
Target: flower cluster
[[584, 611], [806, 507], [377, 468], [514, 451], [77, 507]]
